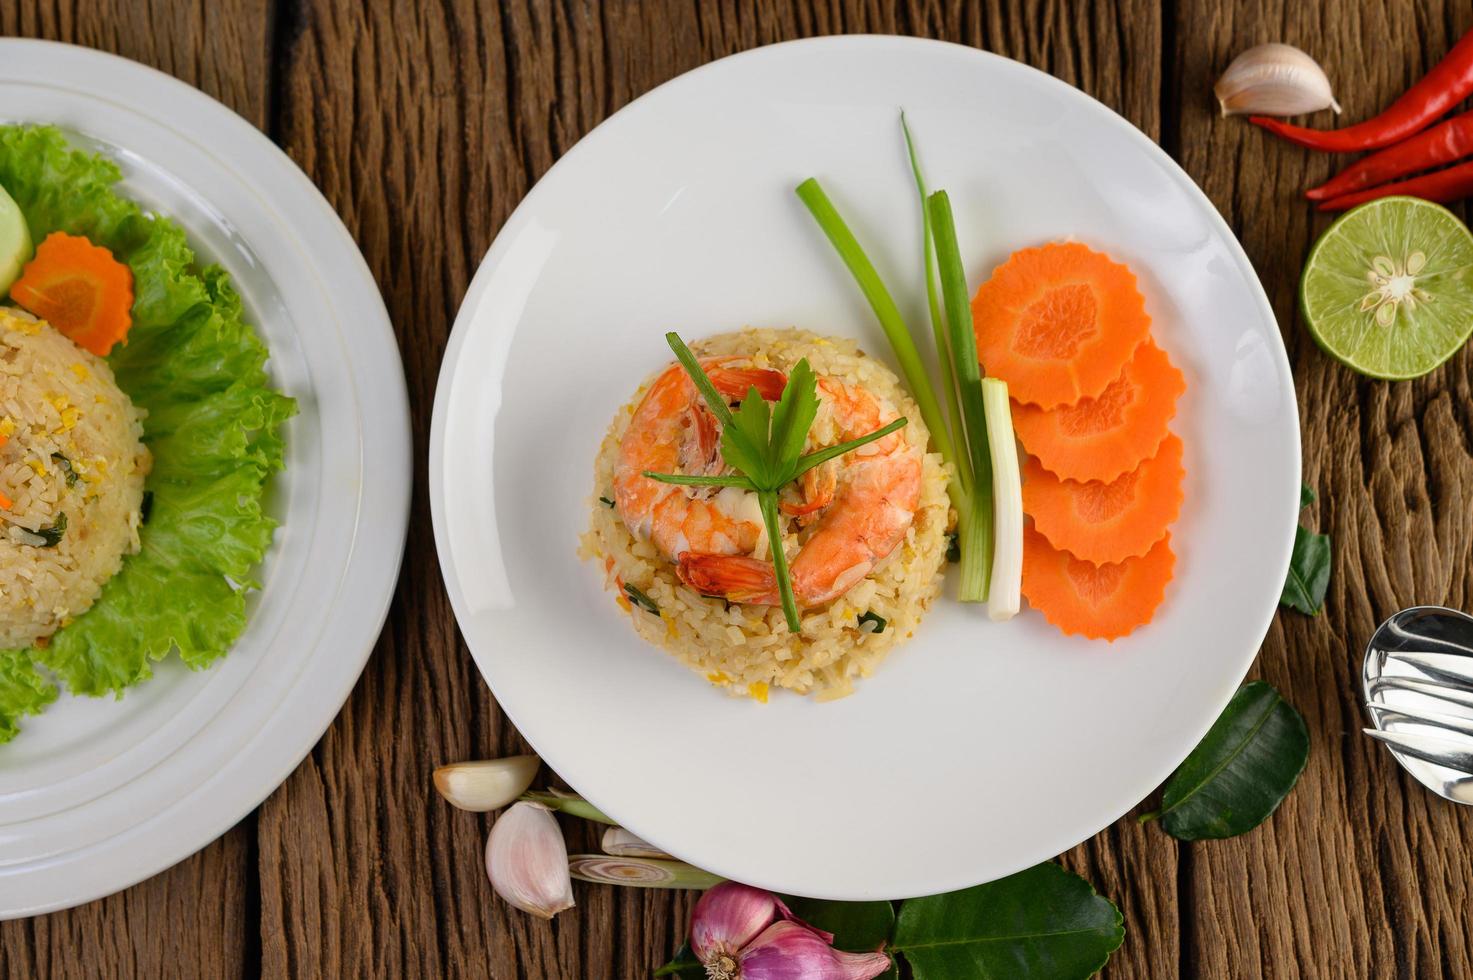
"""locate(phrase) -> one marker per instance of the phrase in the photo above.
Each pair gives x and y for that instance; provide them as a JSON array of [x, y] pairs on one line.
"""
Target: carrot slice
[[1102, 602], [1101, 438], [1107, 522], [1058, 323], [80, 289]]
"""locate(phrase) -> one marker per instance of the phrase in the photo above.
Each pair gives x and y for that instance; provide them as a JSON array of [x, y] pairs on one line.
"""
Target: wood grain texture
[[424, 125], [196, 919], [1362, 872]]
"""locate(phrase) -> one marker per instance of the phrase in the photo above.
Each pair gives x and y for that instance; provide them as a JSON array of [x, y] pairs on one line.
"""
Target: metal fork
[[1418, 679]]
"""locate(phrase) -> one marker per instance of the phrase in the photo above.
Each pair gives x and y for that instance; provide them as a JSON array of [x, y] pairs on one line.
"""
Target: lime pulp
[[15, 242], [1388, 288]]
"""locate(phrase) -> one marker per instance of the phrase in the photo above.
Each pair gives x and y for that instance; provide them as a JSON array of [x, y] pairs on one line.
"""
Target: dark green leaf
[[1306, 495], [1309, 572], [1041, 924], [641, 600], [66, 467], [953, 548], [792, 418], [684, 964], [859, 927], [879, 622], [1240, 772], [607, 502]]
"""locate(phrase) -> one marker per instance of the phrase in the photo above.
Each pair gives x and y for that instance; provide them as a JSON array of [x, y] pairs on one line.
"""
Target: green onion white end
[[1005, 597]]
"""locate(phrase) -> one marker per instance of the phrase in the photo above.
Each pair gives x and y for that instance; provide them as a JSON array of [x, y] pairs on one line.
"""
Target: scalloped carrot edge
[[1101, 438], [1101, 602], [1058, 322], [80, 289], [1107, 522]]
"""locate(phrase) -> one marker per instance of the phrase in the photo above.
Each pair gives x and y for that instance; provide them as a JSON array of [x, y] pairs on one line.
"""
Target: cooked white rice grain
[[72, 447], [748, 649]]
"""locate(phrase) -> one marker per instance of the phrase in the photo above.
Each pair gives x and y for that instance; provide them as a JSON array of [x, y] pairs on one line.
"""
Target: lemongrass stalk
[[963, 462], [976, 531], [570, 803], [639, 872], [621, 843], [1004, 598], [811, 193]]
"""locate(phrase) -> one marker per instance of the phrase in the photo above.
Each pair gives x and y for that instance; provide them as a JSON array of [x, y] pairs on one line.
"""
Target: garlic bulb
[[487, 785], [621, 843], [1274, 80], [527, 861]]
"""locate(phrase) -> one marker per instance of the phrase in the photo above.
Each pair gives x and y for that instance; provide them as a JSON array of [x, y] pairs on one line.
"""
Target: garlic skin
[[486, 785], [1274, 80], [791, 951], [527, 861], [621, 843]]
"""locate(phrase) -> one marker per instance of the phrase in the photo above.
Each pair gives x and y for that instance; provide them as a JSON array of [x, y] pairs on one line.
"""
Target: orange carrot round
[[80, 289], [1101, 602], [1101, 438], [1107, 522], [1058, 323]]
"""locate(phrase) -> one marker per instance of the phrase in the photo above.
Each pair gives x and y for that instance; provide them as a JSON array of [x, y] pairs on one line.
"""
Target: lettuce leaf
[[213, 425]]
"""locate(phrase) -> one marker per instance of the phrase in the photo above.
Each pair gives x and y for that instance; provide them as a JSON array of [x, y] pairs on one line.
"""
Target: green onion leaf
[[821, 456], [641, 600], [811, 193], [694, 480], [976, 521], [609, 503], [52, 534], [1004, 597], [871, 619], [65, 465]]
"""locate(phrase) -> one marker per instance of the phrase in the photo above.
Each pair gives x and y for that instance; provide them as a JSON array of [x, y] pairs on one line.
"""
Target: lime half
[[1388, 289]]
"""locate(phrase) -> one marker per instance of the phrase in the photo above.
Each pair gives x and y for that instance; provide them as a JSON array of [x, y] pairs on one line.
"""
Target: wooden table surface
[[424, 123]]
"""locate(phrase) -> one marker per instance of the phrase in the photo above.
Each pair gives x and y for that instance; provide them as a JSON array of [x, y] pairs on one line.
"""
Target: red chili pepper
[[1452, 184], [1447, 84], [1430, 148]]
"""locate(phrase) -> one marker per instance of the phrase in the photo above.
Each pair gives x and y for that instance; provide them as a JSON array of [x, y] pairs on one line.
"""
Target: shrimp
[[673, 431], [866, 512]]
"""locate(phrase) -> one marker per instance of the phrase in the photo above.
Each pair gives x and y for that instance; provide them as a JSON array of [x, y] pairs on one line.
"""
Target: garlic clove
[[487, 785], [790, 951], [1274, 80], [527, 861], [621, 843]]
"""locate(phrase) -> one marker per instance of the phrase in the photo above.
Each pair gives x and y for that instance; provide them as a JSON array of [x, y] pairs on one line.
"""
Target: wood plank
[[196, 919], [425, 127], [1361, 872]]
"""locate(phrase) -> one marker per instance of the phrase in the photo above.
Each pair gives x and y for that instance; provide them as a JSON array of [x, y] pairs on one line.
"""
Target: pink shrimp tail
[[734, 577]]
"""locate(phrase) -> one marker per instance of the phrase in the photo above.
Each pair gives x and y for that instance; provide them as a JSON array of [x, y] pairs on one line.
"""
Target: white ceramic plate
[[98, 794], [976, 749]]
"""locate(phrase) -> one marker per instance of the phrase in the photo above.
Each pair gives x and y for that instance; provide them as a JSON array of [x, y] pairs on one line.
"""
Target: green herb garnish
[[878, 622], [51, 536], [65, 465], [606, 502], [641, 600], [765, 445]]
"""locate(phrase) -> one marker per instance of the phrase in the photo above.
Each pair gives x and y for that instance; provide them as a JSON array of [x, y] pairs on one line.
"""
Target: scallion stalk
[[811, 193], [768, 501], [976, 524], [1005, 595]]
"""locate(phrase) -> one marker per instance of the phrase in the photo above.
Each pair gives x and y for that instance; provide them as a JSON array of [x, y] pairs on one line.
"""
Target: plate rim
[[1283, 369], [385, 503]]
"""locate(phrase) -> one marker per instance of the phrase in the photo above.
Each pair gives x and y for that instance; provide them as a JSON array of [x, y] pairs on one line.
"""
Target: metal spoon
[[1418, 679]]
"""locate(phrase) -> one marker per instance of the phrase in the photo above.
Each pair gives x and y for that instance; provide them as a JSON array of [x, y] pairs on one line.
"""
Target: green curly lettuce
[[213, 425]]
